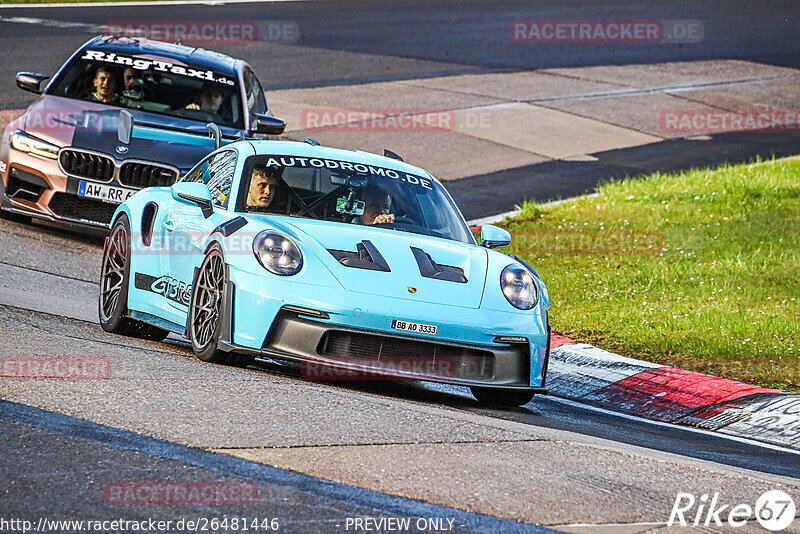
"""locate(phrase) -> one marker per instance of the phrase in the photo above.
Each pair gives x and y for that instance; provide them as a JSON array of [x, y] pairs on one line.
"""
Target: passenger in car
[[377, 204], [105, 85], [131, 78]]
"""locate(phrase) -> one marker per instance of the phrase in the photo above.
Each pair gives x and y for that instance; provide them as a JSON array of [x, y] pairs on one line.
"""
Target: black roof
[[196, 57]]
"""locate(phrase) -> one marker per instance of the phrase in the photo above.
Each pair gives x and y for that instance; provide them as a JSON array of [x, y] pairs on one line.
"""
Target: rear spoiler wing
[[128, 128]]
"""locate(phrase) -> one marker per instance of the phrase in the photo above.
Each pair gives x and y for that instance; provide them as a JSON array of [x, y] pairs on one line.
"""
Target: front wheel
[[502, 397], [206, 310]]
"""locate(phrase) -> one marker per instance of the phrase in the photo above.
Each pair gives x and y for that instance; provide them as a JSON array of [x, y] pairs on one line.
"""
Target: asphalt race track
[[322, 452]]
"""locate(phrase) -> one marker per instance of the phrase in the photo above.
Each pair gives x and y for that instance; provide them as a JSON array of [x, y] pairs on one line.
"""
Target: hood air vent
[[430, 269], [366, 256]]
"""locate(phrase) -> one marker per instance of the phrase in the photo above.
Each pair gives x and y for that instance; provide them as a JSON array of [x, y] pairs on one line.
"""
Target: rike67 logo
[[774, 510]]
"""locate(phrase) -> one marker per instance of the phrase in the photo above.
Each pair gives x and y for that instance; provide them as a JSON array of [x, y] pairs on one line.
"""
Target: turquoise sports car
[[353, 264]]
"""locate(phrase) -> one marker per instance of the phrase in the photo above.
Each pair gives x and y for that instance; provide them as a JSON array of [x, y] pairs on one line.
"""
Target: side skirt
[[157, 321]]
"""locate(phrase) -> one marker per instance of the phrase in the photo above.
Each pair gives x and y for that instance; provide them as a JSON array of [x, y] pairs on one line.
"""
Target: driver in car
[[263, 189], [210, 99], [377, 204]]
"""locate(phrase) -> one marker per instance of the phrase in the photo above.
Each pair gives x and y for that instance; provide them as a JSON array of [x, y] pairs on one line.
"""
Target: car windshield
[[348, 192], [152, 84]]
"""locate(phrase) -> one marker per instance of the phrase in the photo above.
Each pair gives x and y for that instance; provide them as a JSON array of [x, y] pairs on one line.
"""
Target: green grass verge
[[699, 270]]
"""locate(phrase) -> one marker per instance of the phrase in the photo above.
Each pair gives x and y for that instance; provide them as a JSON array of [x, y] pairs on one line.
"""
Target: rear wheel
[[206, 311], [502, 397], [114, 279]]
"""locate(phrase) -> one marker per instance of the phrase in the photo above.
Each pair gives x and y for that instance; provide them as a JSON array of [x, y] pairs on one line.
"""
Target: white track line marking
[[53, 23], [673, 426], [134, 4]]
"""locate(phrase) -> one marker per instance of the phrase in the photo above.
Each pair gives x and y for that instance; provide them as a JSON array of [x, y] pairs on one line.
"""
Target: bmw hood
[[392, 263], [93, 126]]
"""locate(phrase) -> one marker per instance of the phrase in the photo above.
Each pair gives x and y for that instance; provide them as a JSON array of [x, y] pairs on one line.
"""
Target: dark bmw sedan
[[120, 115]]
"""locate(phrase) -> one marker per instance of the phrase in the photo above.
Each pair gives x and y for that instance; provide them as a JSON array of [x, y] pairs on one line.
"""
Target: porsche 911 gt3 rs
[[327, 257]]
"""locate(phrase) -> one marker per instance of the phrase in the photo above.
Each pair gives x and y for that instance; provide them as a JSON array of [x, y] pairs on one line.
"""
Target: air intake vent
[[81, 208], [452, 361], [430, 269], [24, 185], [85, 165], [366, 256]]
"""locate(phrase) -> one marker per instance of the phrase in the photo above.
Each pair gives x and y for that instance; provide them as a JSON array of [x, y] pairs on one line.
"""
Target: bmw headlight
[[519, 287], [277, 253], [32, 145]]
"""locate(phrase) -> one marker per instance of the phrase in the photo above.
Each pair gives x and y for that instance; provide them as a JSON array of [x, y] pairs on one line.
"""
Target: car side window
[[256, 103], [216, 171], [194, 174]]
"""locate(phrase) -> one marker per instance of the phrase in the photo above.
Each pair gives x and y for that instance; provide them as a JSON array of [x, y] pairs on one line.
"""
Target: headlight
[[519, 287], [27, 143], [277, 253]]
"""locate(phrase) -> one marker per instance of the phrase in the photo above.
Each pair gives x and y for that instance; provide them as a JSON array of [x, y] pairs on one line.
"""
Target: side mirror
[[264, 124], [494, 237], [194, 193], [30, 81]]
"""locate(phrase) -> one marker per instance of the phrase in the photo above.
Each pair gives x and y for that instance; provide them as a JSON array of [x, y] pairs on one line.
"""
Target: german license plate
[[106, 193], [418, 328]]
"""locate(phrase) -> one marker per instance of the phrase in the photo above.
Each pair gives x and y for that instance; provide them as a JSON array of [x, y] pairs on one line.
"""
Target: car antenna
[[389, 154], [311, 141]]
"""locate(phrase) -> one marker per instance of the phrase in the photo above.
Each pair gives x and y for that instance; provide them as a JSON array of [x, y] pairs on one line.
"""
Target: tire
[[115, 271], [206, 309], [502, 397]]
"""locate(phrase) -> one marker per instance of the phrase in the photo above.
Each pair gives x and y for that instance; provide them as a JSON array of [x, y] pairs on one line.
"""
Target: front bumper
[[352, 332], [36, 187]]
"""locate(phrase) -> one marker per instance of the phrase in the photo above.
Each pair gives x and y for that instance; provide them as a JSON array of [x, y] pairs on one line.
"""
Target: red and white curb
[[588, 374]]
